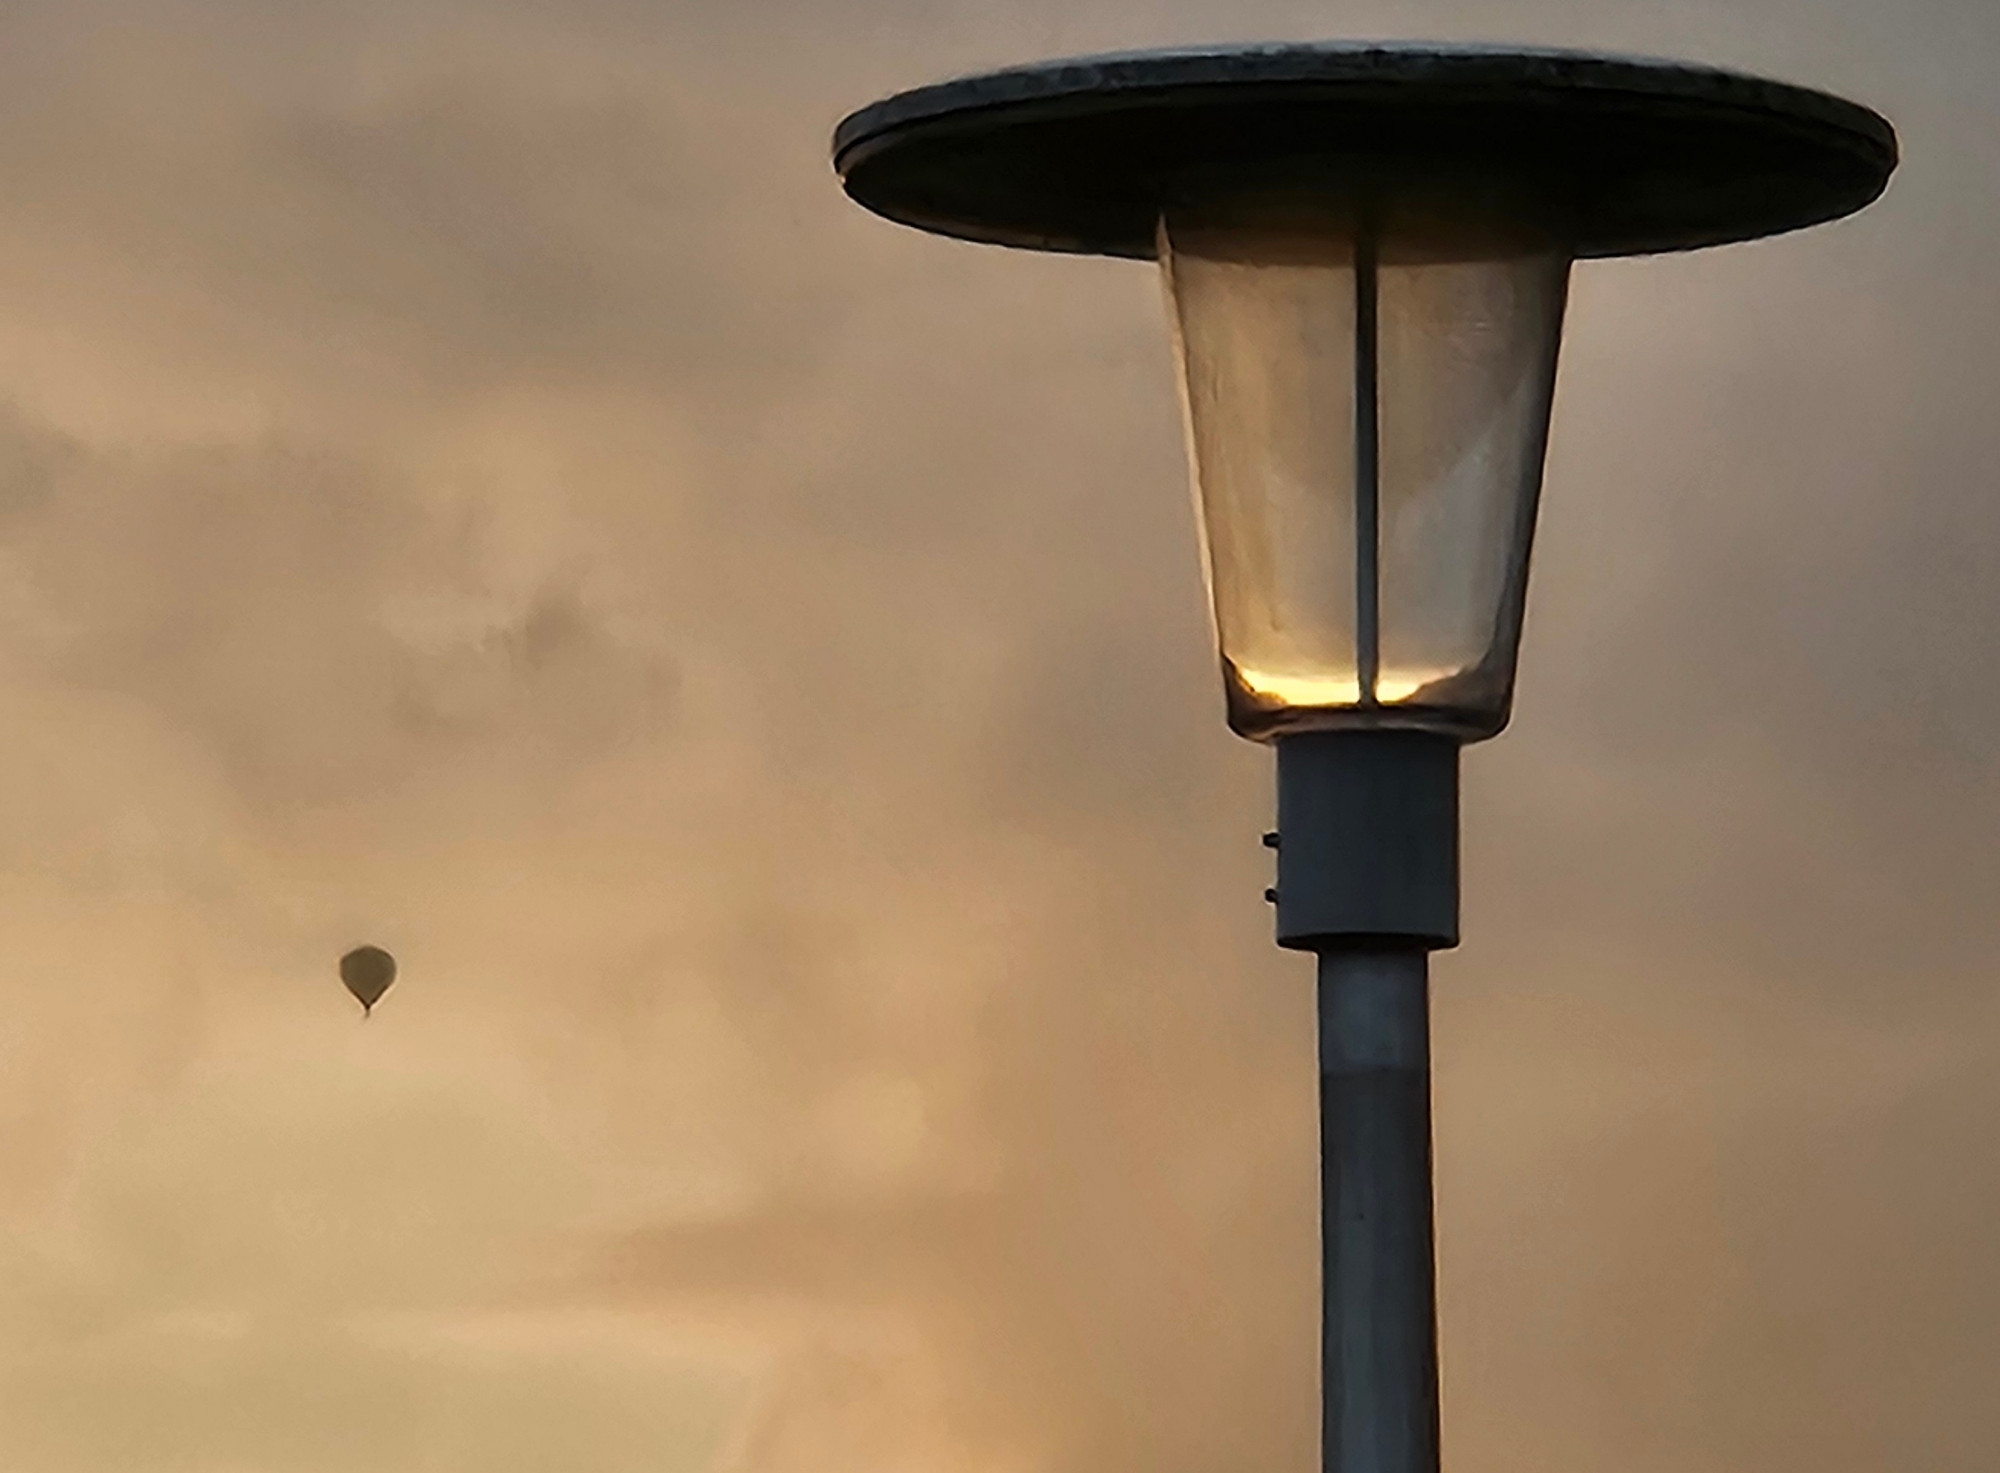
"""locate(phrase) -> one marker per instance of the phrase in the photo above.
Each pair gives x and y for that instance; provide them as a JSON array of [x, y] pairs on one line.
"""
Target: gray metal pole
[[1379, 1332], [1367, 846]]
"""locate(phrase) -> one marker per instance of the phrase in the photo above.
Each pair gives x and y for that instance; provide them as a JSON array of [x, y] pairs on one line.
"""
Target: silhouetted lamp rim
[[1083, 155]]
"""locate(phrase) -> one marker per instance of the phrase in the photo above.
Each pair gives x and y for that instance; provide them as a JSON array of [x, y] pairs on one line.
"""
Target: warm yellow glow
[[1289, 689]]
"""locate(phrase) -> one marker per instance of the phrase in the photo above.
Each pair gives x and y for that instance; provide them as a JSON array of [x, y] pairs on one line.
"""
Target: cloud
[[469, 483]]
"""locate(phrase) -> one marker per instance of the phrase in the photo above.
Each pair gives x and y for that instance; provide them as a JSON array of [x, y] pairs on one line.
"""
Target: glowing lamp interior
[[1367, 390]]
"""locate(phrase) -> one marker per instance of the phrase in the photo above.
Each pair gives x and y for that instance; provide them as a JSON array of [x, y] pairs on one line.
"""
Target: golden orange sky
[[470, 483]]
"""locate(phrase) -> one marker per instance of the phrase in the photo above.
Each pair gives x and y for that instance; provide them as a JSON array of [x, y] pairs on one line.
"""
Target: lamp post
[[1366, 251]]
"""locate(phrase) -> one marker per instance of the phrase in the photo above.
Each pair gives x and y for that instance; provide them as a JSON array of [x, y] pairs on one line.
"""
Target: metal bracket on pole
[[1367, 840]]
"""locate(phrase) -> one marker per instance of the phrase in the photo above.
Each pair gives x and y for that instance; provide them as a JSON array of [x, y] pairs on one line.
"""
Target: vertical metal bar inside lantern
[[1367, 474]]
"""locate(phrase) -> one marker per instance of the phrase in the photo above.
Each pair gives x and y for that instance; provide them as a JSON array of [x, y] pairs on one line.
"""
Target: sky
[[470, 483]]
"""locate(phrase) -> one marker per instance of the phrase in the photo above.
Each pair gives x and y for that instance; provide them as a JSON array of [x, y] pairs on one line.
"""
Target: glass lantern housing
[[1367, 387]]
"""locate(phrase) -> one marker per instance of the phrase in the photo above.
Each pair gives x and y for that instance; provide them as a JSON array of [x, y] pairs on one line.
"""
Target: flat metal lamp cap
[[1642, 155]]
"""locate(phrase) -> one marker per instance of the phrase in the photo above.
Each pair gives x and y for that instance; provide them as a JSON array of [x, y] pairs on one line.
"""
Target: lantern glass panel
[[1367, 397]]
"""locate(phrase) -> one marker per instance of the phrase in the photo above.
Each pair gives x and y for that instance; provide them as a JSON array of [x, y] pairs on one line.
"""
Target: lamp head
[[1366, 252]]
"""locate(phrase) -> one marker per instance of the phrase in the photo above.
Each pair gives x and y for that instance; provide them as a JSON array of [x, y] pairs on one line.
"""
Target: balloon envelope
[[368, 971]]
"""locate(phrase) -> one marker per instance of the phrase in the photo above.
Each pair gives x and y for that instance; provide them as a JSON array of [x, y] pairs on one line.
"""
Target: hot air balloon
[[367, 971]]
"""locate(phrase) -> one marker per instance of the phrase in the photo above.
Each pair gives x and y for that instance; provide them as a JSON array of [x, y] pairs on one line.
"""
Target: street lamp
[[1366, 251]]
